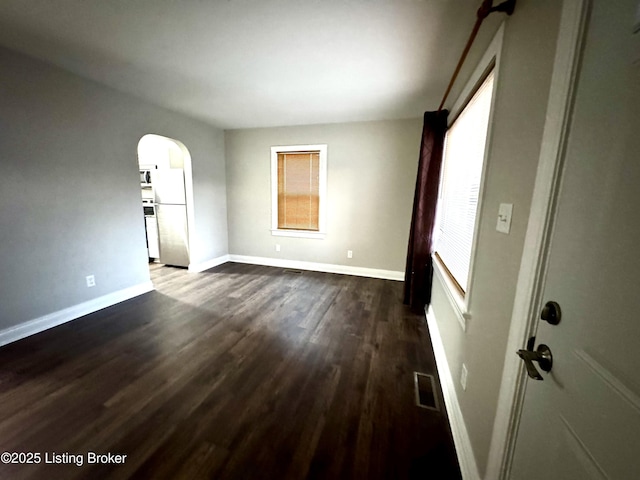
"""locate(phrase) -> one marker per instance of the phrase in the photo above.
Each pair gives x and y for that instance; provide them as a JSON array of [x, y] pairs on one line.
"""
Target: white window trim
[[322, 184], [453, 294], [462, 303]]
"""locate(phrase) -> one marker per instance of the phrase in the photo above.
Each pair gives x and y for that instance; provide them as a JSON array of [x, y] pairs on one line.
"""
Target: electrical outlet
[[463, 377], [91, 281], [349, 254], [277, 247]]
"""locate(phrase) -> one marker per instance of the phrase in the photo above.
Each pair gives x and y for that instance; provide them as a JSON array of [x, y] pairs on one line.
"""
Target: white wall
[[519, 115], [371, 179], [70, 192]]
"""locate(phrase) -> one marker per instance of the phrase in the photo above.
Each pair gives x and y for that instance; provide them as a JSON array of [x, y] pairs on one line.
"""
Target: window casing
[[298, 190], [462, 303]]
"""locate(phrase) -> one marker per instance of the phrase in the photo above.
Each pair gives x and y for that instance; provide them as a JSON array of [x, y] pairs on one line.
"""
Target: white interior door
[[583, 420]]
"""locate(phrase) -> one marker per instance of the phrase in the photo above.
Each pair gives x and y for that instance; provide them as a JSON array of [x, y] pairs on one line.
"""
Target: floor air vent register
[[425, 386]]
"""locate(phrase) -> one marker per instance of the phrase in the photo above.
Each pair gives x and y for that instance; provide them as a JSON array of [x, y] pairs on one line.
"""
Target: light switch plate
[[463, 377], [504, 217]]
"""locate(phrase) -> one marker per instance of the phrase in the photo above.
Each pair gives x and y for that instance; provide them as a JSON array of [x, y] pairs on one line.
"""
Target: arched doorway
[[167, 197]]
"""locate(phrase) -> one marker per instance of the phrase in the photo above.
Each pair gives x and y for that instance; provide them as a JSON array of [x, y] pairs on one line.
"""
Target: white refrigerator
[[171, 213]]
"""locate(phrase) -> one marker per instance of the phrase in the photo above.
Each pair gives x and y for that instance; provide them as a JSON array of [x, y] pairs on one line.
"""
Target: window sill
[[299, 234], [456, 300]]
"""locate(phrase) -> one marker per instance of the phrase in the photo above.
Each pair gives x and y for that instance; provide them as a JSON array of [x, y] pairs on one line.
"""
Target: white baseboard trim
[[461, 438], [54, 319], [214, 262], [319, 267]]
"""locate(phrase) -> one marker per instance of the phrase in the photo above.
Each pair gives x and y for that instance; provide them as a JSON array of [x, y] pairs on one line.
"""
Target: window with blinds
[[461, 178], [298, 179]]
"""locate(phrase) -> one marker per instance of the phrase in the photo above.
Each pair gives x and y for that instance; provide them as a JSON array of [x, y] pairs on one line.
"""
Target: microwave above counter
[[145, 177]]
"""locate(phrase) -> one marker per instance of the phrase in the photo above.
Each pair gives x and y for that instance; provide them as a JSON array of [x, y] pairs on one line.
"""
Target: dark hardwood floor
[[240, 372]]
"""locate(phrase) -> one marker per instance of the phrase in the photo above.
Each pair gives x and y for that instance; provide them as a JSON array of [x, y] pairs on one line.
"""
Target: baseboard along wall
[[461, 438], [320, 267], [214, 262], [54, 319]]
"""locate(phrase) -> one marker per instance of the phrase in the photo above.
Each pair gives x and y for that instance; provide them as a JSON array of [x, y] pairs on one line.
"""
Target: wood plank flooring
[[240, 372]]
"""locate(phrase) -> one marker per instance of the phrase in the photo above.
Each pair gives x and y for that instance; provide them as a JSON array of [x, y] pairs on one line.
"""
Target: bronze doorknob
[[542, 355]]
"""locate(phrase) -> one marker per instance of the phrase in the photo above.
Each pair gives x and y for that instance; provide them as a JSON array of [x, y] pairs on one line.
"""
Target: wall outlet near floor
[[277, 247], [91, 281], [463, 377], [349, 254]]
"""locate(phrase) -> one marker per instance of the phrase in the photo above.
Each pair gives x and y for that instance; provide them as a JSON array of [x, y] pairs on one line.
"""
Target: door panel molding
[[533, 264], [602, 417], [582, 453], [610, 379]]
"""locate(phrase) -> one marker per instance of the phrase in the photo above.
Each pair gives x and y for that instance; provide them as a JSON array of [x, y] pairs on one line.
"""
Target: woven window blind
[[460, 184], [299, 190]]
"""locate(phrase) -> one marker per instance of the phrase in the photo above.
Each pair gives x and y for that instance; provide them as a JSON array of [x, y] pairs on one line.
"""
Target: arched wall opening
[[167, 196]]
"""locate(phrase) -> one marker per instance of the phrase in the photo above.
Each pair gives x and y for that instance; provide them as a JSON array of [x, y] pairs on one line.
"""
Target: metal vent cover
[[425, 388]]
